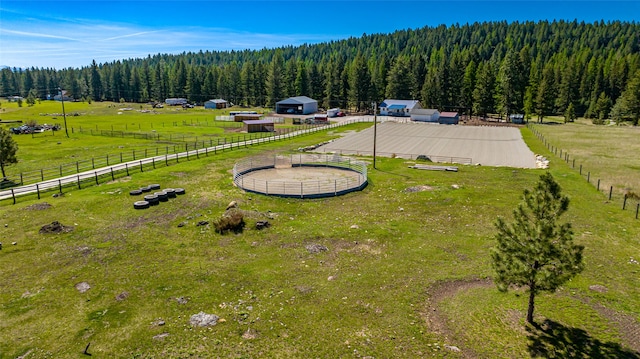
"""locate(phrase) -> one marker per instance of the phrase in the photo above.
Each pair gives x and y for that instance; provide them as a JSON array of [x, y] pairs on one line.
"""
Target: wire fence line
[[81, 179], [322, 187], [565, 156]]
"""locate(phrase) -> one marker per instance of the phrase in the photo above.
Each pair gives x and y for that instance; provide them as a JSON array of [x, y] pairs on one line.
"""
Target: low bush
[[231, 221]]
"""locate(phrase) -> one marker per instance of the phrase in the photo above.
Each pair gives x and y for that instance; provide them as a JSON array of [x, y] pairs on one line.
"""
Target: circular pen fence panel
[[301, 175]]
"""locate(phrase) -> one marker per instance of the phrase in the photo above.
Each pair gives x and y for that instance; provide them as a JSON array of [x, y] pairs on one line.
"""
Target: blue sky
[[61, 34]]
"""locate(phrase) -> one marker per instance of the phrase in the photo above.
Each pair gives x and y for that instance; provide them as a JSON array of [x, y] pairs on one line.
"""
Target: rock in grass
[[203, 319], [83, 287], [316, 248], [160, 336], [232, 204], [453, 348]]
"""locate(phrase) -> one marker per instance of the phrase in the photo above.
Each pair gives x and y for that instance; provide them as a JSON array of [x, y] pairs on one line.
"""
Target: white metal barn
[[425, 115], [400, 108], [216, 103], [299, 105]]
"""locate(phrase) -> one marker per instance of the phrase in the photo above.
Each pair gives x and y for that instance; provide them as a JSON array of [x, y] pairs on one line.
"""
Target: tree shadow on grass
[[553, 340]]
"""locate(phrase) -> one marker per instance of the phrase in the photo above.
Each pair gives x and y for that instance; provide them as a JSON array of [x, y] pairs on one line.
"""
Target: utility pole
[[64, 114], [375, 130]]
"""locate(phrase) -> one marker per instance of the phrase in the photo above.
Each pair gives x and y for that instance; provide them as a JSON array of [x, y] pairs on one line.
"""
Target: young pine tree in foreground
[[535, 251]]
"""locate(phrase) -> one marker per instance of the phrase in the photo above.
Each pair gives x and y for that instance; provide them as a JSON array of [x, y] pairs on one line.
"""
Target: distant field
[[610, 153]]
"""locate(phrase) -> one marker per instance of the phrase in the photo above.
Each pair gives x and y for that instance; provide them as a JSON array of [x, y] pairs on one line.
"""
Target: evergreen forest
[[543, 68]]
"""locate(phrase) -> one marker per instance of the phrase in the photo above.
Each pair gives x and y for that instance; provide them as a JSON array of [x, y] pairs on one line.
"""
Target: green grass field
[[375, 292]]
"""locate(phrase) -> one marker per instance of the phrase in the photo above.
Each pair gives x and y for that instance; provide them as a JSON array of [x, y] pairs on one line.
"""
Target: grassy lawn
[[367, 295]]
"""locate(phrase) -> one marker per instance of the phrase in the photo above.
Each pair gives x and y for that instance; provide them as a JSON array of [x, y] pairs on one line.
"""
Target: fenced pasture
[[102, 134], [608, 153], [604, 156]]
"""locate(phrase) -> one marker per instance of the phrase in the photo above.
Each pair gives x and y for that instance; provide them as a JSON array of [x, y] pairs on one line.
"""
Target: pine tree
[[535, 251], [359, 83], [8, 150], [275, 80], [399, 80], [631, 98], [483, 94], [96, 83]]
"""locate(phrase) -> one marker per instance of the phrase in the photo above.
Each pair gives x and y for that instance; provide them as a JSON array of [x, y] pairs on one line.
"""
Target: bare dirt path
[[436, 321]]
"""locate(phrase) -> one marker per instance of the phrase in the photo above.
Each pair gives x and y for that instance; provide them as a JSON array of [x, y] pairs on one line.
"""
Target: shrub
[[231, 221]]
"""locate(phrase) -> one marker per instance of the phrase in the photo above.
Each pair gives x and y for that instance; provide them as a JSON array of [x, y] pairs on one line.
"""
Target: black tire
[[154, 186], [141, 205], [145, 189], [162, 196], [152, 199], [179, 191], [135, 192], [171, 193]]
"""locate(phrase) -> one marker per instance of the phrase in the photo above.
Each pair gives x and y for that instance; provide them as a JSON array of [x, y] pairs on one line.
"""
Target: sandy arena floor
[[301, 180], [488, 146]]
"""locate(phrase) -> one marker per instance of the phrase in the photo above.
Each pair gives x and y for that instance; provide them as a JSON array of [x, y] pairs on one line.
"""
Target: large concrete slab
[[485, 145]]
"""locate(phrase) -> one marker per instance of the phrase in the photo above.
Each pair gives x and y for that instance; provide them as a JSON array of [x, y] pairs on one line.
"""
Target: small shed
[[176, 101], [333, 112], [517, 118], [258, 125], [400, 108], [299, 105], [449, 118], [216, 104], [320, 117], [241, 117], [425, 115]]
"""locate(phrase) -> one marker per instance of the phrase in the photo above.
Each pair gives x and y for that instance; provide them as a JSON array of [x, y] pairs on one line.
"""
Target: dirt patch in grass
[[418, 189], [38, 206], [436, 320], [55, 227], [120, 180], [626, 324]]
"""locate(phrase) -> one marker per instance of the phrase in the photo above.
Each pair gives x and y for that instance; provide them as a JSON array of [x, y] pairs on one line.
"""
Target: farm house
[[425, 115], [216, 104], [258, 125], [299, 105], [449, 118], [400, 108]]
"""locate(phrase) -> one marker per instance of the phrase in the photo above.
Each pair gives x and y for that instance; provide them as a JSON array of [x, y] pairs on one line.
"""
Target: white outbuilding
[[425, 115]]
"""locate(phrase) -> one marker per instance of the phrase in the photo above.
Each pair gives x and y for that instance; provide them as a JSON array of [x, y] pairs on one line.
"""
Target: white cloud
[[50, 44]]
